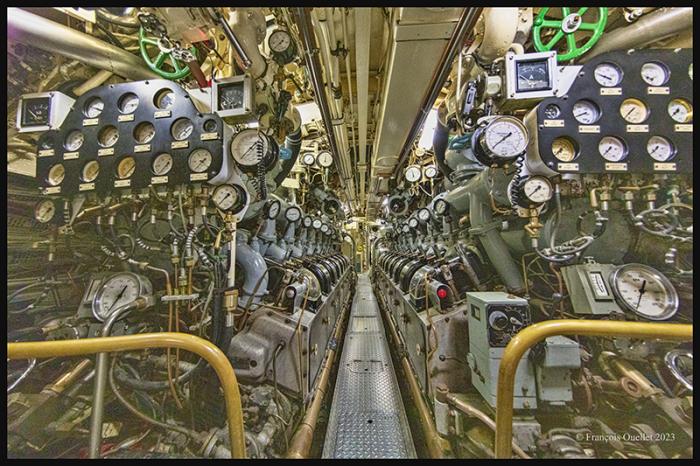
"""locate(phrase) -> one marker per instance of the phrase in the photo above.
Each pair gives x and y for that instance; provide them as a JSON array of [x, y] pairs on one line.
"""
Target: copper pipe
[[206, 349], [535, 333], [68, 378]]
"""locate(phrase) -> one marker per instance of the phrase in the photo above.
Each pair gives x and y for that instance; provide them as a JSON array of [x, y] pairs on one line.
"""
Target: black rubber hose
[[293, 143], [153, 386], [440, 146]]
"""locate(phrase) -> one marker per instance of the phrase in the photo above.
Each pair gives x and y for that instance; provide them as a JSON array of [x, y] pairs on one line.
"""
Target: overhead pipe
[[53, 37], [353, 145], [464, 26], [363, 28], [500, 27]]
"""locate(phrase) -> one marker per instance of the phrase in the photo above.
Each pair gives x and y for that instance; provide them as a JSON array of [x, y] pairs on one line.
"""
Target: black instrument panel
[[115, 137], [626, 112]]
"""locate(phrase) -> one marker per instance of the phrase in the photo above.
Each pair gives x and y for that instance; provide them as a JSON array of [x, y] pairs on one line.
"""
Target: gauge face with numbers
[[108, 136], [660, 149], [273, 209], [308, 159], [634, 111], [45, 211], [182, 129], [430, 171], [225, 197], [316, 223], [655, 73], [74, 141], [56, 174], [413, 173], [440, 206], [199, 160], [162, 164], [144, 132], [90, 171], [94, 107], [165, 99], [126, 167], [280, 41], [586, 112], [292, 214], [608, 74], [644, 291], [128, 103], [612, 149], [505, 137], [413, 222], [325, 159], [563, 149], [249, 147], [423, 215], [307, 222], [115, 292], [680, 110], [538, 189]]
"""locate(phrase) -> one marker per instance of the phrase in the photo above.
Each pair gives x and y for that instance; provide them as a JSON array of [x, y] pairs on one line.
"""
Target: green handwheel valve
[[566, 27], [165, 49]]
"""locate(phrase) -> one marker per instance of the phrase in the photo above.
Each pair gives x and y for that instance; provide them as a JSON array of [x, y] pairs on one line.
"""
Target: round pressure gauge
[[74, 141], [537, 190], [144, 132], [655, 73], [292, 214], [228, 197], [423, 215], [440, 206], [282, 46], [272, 209], [108, 136], [563, 149], [182, 129], [45, 211], [413, 173], [634, 111], [308, 159], [660, 149], [90, 171], [325, 159], [251, 148], [552, 111], [586, 112], [406, 228], [307, 222], [644, 291], [165, 99], [413, 222], [93, 107], [162, 164], [612, 149], [502, 140], [199, 160], [680, 110], [324, 228], [117, 291], [608, 74], [430, 171], [56, 174], [316, 223], [126, 167], [128, 103]]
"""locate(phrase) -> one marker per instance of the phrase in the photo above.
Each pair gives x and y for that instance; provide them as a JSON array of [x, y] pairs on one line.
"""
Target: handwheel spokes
[[160, 59], [556, 38], [588, 26]]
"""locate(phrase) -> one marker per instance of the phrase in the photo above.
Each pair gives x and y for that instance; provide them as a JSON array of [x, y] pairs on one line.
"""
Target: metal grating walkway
[[367, 417]]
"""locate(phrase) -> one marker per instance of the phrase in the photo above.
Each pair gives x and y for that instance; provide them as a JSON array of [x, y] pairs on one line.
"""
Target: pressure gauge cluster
[[626, 112], [130, 136]]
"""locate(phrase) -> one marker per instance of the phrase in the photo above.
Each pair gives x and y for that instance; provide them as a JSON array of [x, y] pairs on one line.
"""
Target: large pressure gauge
[[325, 159], [500, 141], [413, 173], [229, 198], [251, 149], [45, 211], [282, 46], [292, 214], [272, 209], [423, 215], [534, 190], [119, 290], [644, 291]]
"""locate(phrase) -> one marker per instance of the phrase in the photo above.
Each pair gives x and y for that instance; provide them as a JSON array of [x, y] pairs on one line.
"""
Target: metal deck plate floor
[[367, 417]]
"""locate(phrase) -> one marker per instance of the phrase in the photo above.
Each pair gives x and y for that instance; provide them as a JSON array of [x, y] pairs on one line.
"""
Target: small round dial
[[162, 164], [413, 222], [182, 129], [655, 73], [634, 111], [538, 189], [316, 223], [325, 159], [226, 197], [612, 149], [660, 149], [210, 126], [504, 137], [308, 159], [644, 291], [307, 222], [586, 112], [45, 211], [199, 160], [563, 149], [90, 171], [423, 215], [680, 110], [144, 132], [108, 136], [552, 111], [56, 174], [406, 228], [430, 171], [128, 103], [165, 99], [440, 206], [413, 173], [292, 214], [74, 141], [93, 108], [280, 41], [115, 292], [126, 167], [608, 74], [273, 209], [324, 228]]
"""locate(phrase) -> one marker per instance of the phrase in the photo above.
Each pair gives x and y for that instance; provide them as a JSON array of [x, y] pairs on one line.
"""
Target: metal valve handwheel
[[566, 28], [166, 49]]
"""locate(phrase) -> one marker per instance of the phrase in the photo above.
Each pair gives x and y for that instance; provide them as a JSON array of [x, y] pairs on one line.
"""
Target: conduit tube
[[254, 268]]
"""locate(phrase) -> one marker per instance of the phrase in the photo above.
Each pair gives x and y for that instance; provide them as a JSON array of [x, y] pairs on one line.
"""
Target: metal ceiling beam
[[363, 28]]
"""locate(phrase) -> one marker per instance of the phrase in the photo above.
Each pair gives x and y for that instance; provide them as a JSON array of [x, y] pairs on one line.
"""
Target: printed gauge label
[[159, 179], [91, 121], [669, 166], [676, 128], [179, 144], [610, 91], [123, 118], [209, 136], [554, 123], [52, 190], [658, 90], [142, 148], [162, 114], [637, 128], [589, 129], [199, 177], [619, 167], [105, 151], [598, 283], [122, 183], [46, 153], [86, 186], [71, 155], [567, 167]]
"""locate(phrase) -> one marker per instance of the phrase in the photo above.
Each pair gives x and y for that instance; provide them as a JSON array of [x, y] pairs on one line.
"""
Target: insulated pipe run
[[53, 37], [500, 27], [254, 268]]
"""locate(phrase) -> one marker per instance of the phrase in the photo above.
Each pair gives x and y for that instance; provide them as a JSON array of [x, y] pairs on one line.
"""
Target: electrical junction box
[[42, 111], [589, 288], [554, 359], [494, 318], [233, 97]]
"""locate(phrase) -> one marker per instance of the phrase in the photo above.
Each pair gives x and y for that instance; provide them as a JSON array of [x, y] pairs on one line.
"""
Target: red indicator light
[[442, 293]]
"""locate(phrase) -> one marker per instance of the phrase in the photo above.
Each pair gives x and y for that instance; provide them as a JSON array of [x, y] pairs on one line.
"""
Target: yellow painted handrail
[[204, 348], [529, 336]]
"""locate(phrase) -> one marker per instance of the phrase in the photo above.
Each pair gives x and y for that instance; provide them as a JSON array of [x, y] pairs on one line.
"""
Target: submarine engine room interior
[[344, 232]]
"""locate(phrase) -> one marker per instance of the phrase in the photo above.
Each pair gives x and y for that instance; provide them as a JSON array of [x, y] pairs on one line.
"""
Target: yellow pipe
[[533, 334], [207, 350]]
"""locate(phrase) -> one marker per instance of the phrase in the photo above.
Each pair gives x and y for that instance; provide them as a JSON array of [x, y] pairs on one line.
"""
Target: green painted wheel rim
[[156, 64], [542, 24]]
